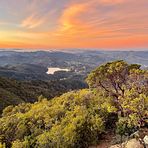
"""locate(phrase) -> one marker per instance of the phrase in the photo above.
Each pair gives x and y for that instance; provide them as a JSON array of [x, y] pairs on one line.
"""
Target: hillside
[[116, 102], [13, 92]]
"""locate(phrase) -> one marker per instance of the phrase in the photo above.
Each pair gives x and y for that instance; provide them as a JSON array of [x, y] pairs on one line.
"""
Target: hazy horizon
[[70, 50]]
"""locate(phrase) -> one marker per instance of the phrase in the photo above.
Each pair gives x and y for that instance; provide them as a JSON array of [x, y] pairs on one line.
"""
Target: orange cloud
[[76, 22], [80, 23], [111, 1], [70, 18]]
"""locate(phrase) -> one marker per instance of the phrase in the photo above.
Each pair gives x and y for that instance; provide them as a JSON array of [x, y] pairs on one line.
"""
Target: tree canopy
[[127, 84], [115, 78]]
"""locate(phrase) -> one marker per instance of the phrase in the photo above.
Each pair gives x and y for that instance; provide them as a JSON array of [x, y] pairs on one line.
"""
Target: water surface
[[52, 70]]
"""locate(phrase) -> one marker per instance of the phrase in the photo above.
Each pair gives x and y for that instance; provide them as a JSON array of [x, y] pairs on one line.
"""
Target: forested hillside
[[117, 101], [13, 92]]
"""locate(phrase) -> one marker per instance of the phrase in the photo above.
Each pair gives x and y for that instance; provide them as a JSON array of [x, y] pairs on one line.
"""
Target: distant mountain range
[[33, 65], [49, 57], [89, 59]]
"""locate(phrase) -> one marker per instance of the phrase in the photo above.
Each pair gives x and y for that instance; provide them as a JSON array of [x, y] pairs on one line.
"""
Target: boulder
[[134, 143], [145, 139]]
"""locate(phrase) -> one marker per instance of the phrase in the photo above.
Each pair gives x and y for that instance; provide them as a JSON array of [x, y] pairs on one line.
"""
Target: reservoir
[[52, 70]]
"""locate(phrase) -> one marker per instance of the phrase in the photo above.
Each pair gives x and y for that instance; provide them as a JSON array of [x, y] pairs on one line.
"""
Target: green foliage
[[71, 120], [19, 144], [116, 77], [127, 85], [13, 92], [2, 145], [135, 109]]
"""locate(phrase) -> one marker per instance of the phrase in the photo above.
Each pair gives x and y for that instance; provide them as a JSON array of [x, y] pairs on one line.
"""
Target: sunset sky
[[106, 24]]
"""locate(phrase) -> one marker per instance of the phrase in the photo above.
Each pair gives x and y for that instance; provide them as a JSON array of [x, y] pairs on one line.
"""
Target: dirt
[[106, 141]]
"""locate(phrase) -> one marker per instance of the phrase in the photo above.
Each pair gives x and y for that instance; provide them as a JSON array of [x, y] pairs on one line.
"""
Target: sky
[[103, 24]]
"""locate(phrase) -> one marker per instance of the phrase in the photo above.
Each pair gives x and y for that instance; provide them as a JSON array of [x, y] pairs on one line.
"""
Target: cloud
[[70, 16], [83, 20], [32, 21], [38, 13], [111, 2], [78, 23]]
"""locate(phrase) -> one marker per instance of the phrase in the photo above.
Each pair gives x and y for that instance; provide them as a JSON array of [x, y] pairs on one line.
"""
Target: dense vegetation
[[79, 118], [128, 86], [13, 92]]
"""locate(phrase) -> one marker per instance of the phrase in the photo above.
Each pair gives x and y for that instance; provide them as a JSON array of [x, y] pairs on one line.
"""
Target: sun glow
[[73, 24]]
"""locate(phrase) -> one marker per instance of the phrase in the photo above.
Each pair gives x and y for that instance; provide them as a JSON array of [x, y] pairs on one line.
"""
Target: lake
[[52, 70]]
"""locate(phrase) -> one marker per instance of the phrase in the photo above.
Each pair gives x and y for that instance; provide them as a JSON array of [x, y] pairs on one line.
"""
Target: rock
[[115, 146], [145, 139], [133, 143]]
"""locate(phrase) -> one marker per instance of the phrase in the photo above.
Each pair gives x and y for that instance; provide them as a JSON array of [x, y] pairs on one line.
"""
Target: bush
[[71, 120]]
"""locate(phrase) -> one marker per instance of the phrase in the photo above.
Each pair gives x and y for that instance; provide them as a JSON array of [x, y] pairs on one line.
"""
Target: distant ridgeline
[[81, 62], [116, 102]]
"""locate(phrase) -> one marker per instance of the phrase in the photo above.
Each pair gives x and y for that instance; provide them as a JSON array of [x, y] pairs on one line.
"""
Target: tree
[[127, 85], [117, 77]]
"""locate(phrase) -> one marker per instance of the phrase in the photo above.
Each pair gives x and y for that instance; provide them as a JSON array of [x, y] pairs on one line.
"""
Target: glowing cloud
[[74, 24], [32, 22], [111, 1]]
